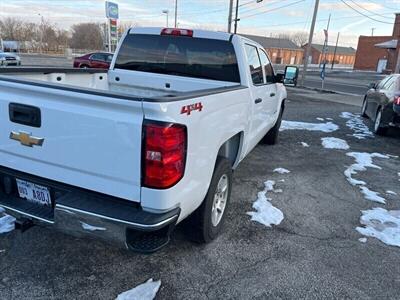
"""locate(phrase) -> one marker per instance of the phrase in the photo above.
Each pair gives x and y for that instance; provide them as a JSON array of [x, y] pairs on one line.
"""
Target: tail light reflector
[[397, 100], [177, 32], [164, 154]]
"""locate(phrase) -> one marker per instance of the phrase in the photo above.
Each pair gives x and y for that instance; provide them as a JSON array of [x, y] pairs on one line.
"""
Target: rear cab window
[[179, 55]]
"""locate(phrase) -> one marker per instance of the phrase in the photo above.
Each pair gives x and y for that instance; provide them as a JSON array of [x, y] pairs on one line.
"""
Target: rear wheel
[[206, 222], [83, 66], [379, 129], [271, 138], [364, 109]]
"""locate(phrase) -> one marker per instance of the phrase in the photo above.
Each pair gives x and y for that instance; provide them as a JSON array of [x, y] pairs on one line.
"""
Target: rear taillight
[[177, 32], [164, 154], [397, 100]]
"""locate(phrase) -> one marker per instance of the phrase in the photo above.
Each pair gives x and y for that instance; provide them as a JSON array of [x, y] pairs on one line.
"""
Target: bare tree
[[11, 28], [86, 36], [299, 37]]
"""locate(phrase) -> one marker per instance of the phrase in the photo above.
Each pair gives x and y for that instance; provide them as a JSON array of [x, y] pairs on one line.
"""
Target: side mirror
[[372, 85], [291, 75]]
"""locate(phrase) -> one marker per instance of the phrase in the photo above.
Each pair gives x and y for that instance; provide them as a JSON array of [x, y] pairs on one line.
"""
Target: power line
[[272, 9], [256, 8], [360, 6], [387, 7], [361, 13]]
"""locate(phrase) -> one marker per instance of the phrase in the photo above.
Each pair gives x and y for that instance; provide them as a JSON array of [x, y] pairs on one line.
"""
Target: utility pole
[[334, 53], [176, 12], [372, 31], [230, 16], [308, 48], [236, 16]]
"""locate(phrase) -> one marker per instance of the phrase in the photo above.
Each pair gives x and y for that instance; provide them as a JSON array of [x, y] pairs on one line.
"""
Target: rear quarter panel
[[222, 116]]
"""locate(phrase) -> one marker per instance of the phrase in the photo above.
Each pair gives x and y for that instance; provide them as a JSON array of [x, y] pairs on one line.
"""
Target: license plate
[[33, 192]]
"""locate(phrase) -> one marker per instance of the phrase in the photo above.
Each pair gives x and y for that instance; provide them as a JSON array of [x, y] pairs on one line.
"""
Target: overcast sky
[[269, 16]]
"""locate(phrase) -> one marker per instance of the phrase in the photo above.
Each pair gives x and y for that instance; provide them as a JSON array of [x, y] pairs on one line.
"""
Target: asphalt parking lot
[[314, 253]]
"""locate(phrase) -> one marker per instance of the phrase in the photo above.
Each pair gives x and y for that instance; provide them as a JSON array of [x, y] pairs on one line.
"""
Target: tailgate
[[90, 141]]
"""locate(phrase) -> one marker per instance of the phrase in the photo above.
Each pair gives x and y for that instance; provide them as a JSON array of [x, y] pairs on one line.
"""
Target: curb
[[323, 91]]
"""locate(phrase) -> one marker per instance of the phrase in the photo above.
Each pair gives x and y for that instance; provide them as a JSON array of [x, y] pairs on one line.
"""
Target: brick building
[[379, 53], [343, 55], [280, 51]]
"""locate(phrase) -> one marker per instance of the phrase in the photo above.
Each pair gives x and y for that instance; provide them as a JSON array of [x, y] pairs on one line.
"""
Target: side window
[[255, 64], [268, 70], [109, 57], [97, 56], [390, 84], [382, 82]]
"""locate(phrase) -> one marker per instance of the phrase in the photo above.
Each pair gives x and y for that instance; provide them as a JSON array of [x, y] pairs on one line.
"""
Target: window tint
[[109, 57], [97, 56], [382, 82], [390, 83], [181, 56], [268, 70], [255, 64]]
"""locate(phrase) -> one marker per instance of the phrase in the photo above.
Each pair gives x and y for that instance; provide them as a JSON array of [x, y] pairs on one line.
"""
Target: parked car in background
[[381, 104], [98, 60], [9, 59]]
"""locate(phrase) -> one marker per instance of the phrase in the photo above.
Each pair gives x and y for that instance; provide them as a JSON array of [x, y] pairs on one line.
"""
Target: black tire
[[199, 226], [83, 66], [379, 129], [364, 109], [271, 138]]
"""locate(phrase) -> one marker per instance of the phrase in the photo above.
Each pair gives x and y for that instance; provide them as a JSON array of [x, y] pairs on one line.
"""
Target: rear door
[[271, 104], [89, 141], [258, 93]]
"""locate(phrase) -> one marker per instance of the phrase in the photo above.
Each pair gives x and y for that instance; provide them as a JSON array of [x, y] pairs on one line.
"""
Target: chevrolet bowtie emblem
[[26, 138]]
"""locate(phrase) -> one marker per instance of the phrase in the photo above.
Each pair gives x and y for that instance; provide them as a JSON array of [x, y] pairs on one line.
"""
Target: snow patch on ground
[[320, 119], [7, 223], [355, 123], [305, 144], [329, 119], [391, 193], [324, 127], [381, 224], [281, 171], [144, 291], [371, 195], [362, 240], [91, 227], [334, 143], [266, 213], [363, 161]]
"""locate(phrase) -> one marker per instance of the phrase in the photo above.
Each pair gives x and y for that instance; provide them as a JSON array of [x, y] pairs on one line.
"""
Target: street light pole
[[334, 52], [176, 12], [308, 48], [41, 34], [166, 12]]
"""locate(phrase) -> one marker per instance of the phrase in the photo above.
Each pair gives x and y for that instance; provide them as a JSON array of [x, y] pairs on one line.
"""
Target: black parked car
[[382, 104]]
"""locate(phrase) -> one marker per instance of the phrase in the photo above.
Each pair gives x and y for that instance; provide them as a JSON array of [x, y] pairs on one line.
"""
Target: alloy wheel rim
[[220, 199]]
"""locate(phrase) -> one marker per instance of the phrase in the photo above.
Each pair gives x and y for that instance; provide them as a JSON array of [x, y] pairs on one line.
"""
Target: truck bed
[[117, 83]]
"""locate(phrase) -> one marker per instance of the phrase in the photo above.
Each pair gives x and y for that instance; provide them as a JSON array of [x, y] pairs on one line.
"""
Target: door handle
[[272, 95], [25, 114], [258, 100]]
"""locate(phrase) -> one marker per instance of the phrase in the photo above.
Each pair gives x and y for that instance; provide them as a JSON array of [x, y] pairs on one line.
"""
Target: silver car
[[9, 59]]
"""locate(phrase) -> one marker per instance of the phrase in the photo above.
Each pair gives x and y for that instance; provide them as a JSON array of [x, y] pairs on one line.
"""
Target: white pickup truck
[[126, 154]]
